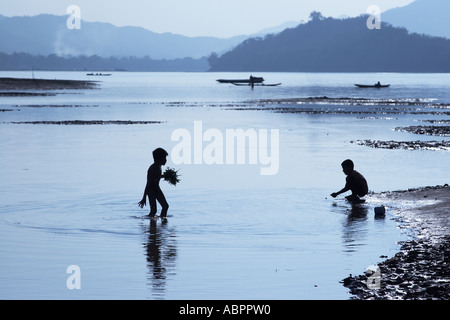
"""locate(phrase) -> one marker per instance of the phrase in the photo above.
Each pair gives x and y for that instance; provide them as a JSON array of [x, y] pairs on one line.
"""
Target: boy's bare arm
[[335, 194], [143, 201]]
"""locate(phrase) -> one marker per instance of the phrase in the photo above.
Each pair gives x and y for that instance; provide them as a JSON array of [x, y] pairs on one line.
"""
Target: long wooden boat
[[372, 86], [257, 84], [255, 80]]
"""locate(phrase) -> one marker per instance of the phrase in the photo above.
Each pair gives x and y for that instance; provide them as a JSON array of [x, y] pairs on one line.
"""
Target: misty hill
[[332, 45], [48, 34], [422, 16], [26, 61]]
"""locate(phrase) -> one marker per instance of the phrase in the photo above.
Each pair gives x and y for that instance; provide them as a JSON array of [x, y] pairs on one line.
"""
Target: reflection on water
[[355, 228], [161, 252]]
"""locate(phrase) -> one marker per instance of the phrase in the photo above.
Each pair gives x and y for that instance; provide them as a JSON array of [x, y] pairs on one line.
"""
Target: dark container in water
[[380, 211]]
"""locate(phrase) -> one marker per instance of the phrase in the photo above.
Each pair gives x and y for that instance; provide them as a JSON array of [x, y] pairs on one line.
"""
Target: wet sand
[[427, 130], [421, 270], [12, 84], [88, 122], [405, 145]]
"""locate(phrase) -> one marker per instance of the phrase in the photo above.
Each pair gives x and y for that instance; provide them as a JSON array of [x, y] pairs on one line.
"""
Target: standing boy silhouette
[[355, 182], [152, 189]]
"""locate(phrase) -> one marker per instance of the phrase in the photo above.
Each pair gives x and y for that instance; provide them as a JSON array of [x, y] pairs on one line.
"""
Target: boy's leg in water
[[152, 202], [353, 198], [162, 201]]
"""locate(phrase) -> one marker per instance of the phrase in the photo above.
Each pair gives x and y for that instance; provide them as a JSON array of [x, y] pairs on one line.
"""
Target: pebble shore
[[421, 270]]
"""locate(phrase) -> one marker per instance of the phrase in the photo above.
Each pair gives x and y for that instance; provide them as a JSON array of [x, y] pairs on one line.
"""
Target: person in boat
[[252, 81], [355, 182], [378, 84]]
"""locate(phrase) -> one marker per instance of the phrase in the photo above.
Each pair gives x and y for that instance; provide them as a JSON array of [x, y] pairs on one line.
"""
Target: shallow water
[[69, 192]]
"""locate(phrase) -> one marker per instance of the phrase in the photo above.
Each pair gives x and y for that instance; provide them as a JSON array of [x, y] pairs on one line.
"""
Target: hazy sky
[[222, 18]]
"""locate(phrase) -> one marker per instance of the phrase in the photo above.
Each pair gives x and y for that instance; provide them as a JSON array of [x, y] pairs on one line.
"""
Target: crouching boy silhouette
[[152, 189], [355, 182]]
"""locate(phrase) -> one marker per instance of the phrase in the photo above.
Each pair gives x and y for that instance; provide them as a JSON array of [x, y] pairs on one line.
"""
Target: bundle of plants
[[171, 176]]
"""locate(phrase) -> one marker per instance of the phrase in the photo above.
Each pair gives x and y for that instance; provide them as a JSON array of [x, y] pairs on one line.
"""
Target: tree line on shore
[[53, 62]]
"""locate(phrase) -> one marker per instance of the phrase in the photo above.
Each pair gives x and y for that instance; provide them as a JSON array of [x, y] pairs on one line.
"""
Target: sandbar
[[14, 84]]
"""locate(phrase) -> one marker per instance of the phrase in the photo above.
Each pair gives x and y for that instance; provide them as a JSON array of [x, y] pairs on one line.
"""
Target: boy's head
[[347, 166], [159, 156]]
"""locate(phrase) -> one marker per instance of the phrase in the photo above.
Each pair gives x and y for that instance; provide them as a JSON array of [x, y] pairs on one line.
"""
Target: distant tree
[[316, 16], [213, 58]]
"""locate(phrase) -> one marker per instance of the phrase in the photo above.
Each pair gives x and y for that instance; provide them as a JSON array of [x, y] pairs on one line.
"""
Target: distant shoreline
[[250, 71], [10, 84], [421, 270]]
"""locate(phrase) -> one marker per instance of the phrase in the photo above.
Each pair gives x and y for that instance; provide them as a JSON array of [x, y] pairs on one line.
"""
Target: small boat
[[257, 84], [249, 80], [377, 85], [98, 74]]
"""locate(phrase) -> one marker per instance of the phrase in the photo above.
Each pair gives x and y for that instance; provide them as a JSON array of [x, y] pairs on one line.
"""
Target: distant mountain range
[[332, 45], [422, 16], [45, 42], [48, 34]]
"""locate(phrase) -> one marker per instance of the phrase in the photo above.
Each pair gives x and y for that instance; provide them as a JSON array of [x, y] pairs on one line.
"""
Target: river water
[[72, 174]]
